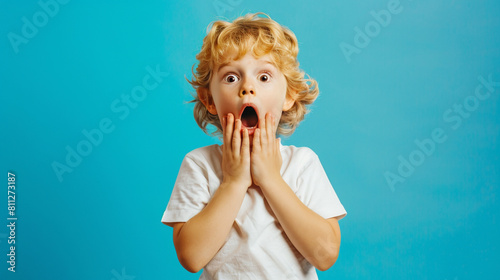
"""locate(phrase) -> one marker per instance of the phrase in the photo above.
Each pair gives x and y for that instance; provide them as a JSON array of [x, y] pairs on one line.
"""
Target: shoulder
[[204, 152], [299, 159], [298, 153], [205, 156]]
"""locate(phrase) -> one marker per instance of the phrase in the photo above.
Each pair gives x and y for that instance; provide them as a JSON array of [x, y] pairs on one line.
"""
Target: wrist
[[230, 183], [272, 181]]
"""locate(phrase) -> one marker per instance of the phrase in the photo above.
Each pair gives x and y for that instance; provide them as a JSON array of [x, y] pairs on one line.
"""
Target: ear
[[289, 102], [206, 99]]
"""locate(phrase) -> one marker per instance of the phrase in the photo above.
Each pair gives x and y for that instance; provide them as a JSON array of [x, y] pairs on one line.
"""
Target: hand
[[235, 153], [266, 156]]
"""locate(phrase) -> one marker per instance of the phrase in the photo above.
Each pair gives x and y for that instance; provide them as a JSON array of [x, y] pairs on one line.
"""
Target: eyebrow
[[222, 65], [227, 63]]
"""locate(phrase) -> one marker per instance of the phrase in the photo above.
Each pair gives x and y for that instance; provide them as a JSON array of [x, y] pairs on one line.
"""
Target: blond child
[[253, 208]]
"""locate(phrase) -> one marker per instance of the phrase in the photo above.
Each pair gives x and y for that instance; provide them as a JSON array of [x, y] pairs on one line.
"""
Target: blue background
[[102, 220]]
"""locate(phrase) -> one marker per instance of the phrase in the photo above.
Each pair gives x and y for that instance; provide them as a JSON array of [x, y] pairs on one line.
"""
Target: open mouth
[[249, 117]]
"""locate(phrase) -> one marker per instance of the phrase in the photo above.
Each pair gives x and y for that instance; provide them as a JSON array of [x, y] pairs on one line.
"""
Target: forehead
[[234, 57], [248, 59]]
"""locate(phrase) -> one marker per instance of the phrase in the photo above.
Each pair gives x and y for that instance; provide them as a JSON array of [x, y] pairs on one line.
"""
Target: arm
[[198, 240], [316, 238]]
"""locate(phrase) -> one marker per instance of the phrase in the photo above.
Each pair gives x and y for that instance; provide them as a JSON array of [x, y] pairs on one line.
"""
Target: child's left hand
[[266, 156]]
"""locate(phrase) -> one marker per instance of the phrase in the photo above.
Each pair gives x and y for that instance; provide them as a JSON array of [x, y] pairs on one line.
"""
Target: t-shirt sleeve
[[190, 194], [315, 189]]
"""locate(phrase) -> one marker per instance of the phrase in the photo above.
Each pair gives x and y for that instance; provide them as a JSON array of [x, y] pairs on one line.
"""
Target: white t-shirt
[[256, 247]]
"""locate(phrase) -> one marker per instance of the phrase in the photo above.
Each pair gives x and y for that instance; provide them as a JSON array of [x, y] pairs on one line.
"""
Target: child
[[253, 208]]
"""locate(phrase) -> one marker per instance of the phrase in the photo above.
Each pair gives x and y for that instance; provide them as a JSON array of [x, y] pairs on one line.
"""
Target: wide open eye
[[231, 78], [264, 77]]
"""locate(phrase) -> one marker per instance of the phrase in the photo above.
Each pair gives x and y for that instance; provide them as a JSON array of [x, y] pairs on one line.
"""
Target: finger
[[263, 131], [270, 128], [228, 133], [275, 127], [245, 145], [223, 126], [237, 137], [262, 123], [256, 140]]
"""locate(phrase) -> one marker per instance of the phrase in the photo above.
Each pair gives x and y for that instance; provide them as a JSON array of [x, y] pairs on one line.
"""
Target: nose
[[247, 88]]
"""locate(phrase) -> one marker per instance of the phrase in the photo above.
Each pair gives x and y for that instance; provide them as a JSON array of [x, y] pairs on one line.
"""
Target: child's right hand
[[235, 153]]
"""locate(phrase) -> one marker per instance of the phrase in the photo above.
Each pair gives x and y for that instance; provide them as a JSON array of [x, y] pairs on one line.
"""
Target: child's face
[[249, 88]]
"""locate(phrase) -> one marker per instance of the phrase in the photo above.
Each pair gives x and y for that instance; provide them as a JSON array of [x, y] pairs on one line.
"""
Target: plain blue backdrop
[[404, 127]]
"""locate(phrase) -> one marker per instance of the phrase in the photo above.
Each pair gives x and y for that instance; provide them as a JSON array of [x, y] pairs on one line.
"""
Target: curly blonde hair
[[261, 36]]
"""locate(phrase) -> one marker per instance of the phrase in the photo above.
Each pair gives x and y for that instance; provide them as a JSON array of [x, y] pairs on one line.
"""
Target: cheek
[[277, 104], [275, 108], [224, 106]]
